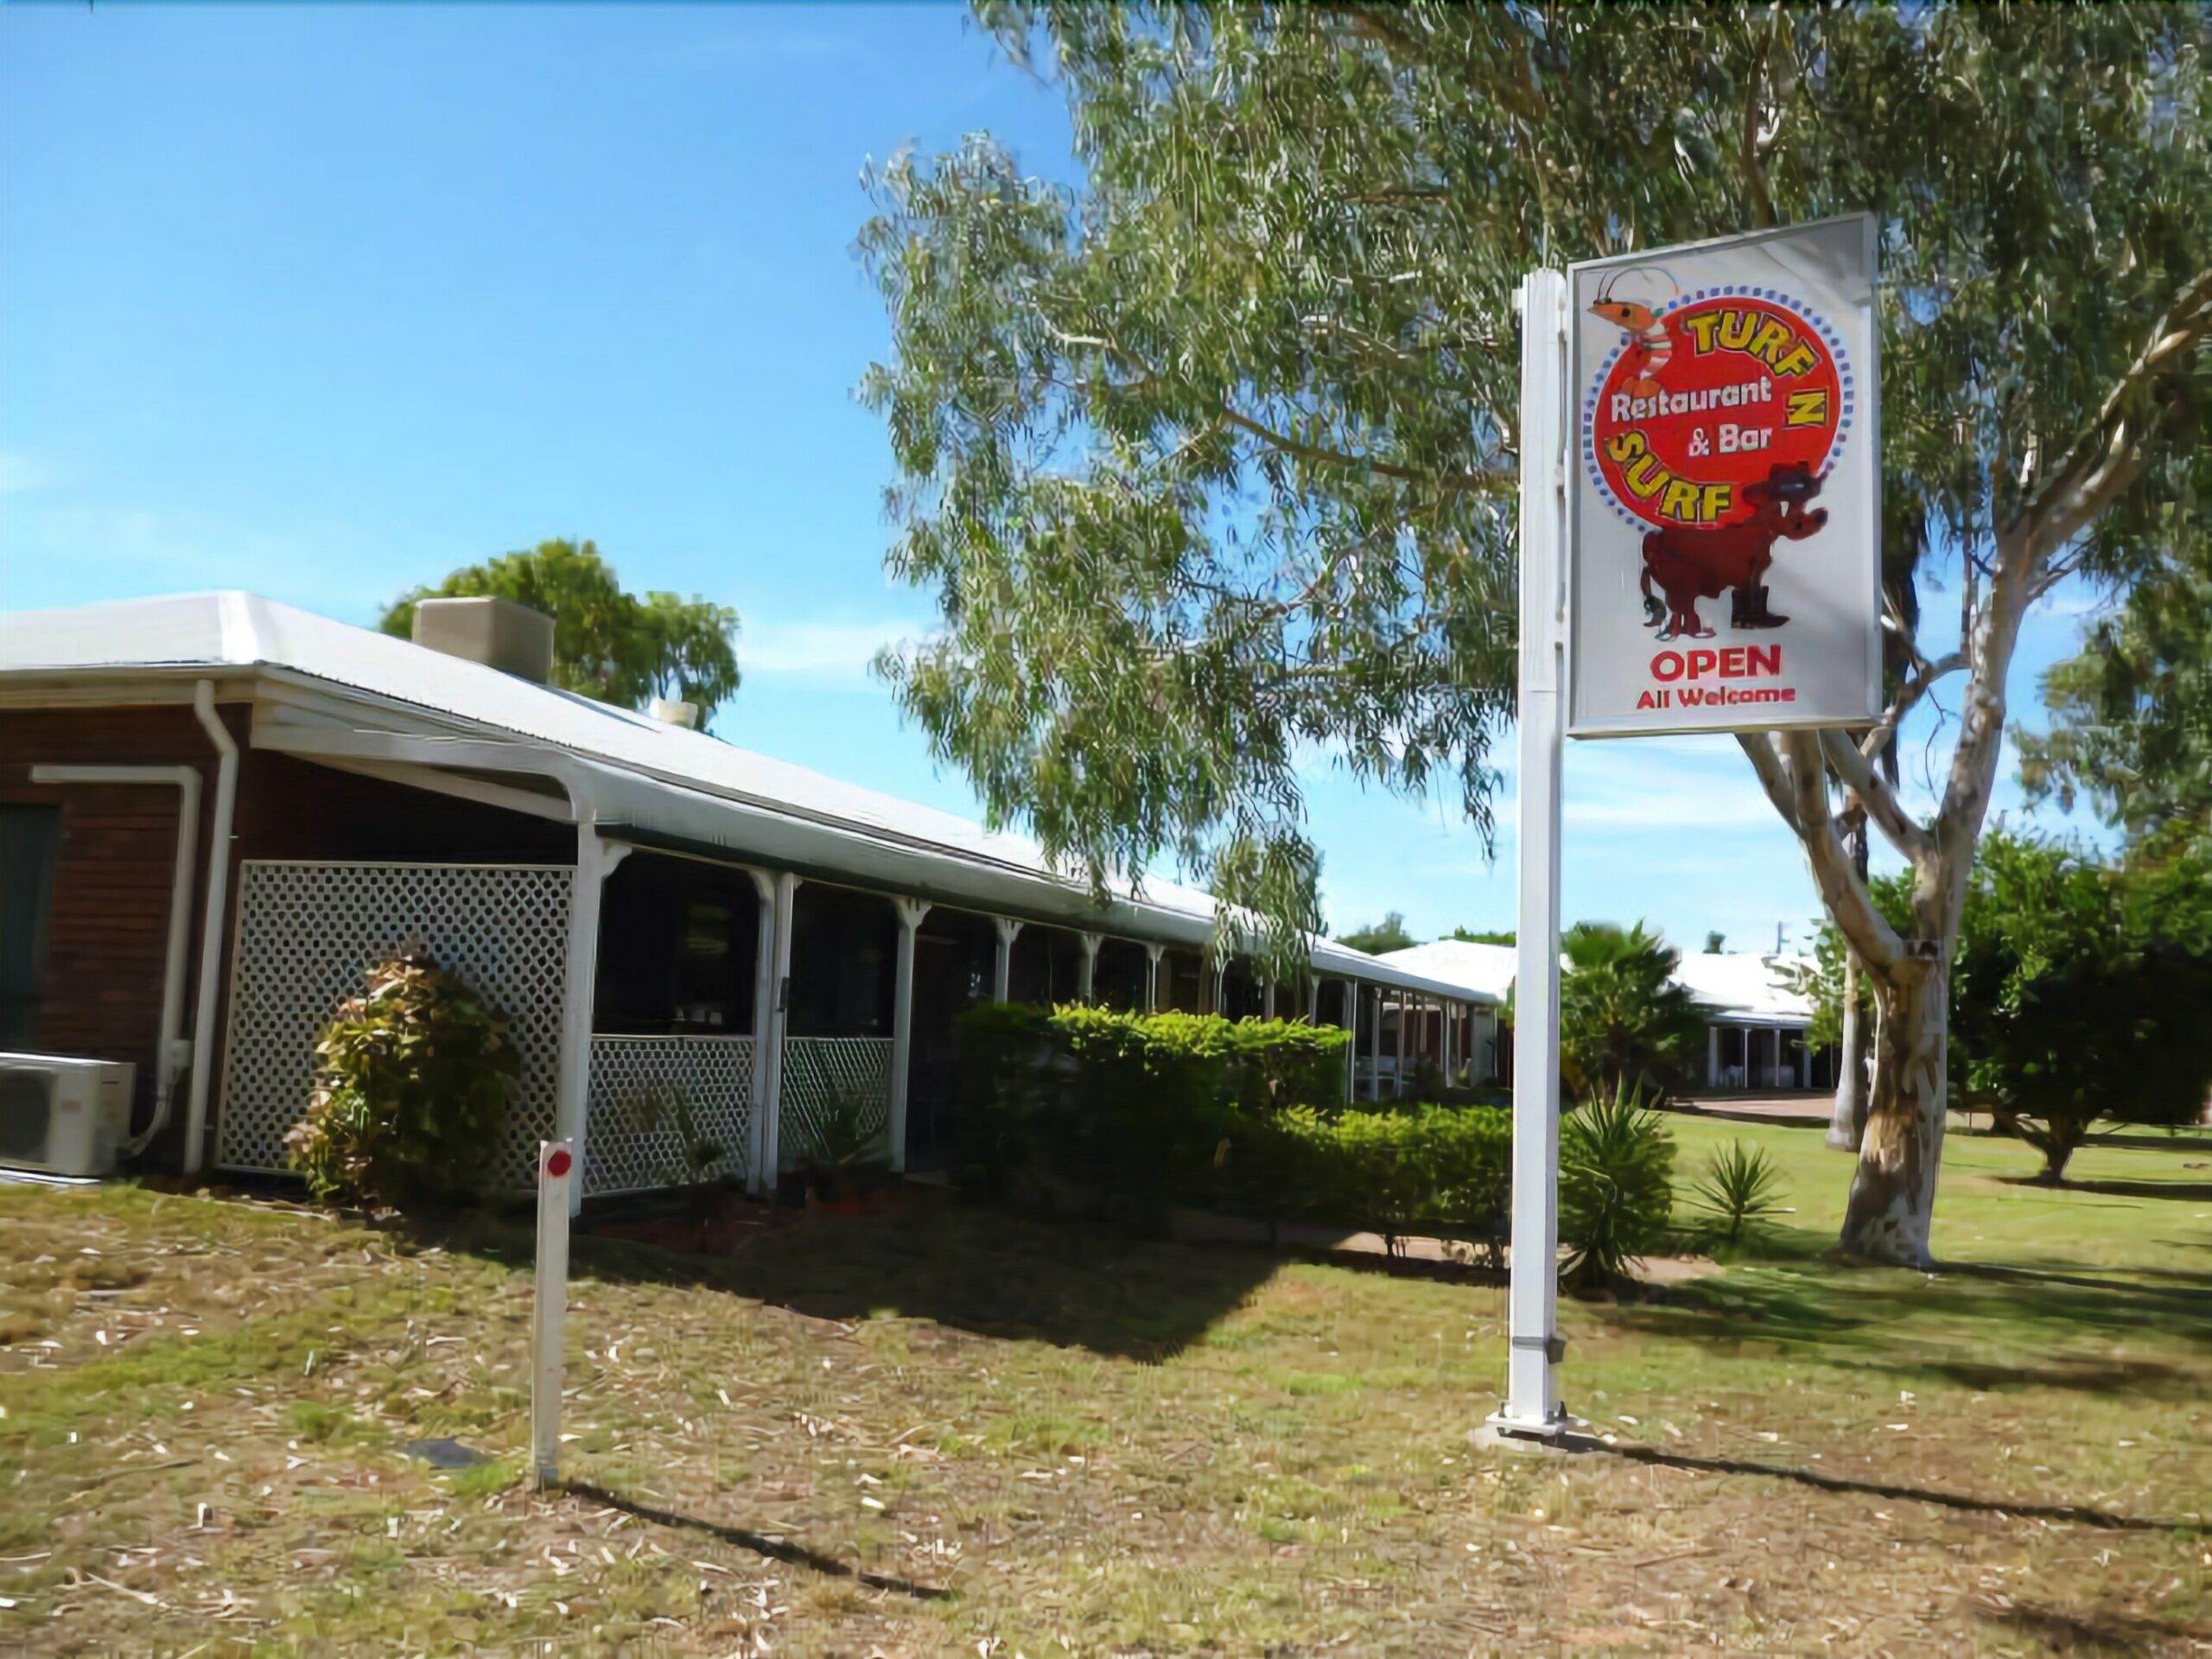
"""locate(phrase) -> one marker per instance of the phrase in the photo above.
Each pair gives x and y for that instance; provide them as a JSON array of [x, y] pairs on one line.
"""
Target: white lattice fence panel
[[308, 932], [633, 1143], [816, 1072]]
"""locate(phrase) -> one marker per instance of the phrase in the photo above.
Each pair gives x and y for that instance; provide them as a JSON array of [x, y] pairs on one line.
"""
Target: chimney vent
[[670, 712], [497, 632]]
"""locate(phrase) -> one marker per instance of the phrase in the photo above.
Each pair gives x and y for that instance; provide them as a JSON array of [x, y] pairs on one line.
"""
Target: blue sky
[[322, 303]]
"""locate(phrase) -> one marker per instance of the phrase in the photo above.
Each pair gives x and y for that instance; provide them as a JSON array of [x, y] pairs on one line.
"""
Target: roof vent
[[670, 712], [497, 632]]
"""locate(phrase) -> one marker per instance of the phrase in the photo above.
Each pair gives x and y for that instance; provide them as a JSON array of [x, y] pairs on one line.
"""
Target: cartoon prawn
[[1650, 346]]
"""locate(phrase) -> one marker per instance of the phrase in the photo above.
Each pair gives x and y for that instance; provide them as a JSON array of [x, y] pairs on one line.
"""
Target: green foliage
[[696, 1152], [841, 1141], [1439, 1172], [1741, 1186], [1146, 1111], [1208, 457], [608, 642], [1494, 936], [2080, 990], [1622, 1021], [2132, 712], [1376, 938], [412, 1080], [1615, 1186], [1136, 1105]]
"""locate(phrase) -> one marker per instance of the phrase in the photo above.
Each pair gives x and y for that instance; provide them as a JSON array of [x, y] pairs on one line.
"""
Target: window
[[29, 837]]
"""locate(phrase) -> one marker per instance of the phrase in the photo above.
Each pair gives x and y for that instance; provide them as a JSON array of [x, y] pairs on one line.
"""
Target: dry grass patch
[[938, 1431]]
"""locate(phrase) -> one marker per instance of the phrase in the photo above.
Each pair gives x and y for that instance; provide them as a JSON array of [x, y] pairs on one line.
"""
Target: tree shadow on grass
[[2079, 1513], [2187, 1191], [1905, 1322], [774, 1549], [984, 1271], [2098, 1632]]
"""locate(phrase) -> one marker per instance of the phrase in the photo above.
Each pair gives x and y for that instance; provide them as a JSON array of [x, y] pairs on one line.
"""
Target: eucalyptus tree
[[608, 642], [1209, 456]]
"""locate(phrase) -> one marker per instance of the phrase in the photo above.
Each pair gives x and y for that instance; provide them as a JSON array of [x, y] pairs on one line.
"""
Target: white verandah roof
[[390, 701]]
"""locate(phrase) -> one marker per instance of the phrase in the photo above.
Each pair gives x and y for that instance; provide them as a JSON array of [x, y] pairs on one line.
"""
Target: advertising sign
[[1724, 520]]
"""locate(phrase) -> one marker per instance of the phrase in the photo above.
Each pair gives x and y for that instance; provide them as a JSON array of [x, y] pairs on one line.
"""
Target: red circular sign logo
[[1718, 393], [557, 1162]]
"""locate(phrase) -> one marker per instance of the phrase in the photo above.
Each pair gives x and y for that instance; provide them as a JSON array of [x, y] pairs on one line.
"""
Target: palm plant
[[1615, 1186], [1623, 1019], [1742, 1185]]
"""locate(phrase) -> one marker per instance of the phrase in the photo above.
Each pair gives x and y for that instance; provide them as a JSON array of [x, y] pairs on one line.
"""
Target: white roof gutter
[[649, 809]]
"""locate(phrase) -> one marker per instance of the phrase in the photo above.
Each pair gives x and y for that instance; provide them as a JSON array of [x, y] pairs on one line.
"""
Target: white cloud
[[824, 653]]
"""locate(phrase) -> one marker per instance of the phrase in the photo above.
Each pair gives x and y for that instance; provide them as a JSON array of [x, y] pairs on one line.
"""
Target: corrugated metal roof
[[244, 632]]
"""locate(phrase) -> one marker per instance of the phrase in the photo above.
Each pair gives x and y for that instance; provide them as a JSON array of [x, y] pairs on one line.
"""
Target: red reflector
[[556, 1162]]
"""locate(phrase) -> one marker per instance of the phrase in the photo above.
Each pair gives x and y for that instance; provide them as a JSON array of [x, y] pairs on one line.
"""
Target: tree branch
[[1875, 795], [1146, 376], [2103, 458], [1867, 929], [1917, 686], [1773, 777]]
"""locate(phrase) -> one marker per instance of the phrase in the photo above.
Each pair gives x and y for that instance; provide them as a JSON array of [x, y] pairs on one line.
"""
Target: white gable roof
[[697, 784]]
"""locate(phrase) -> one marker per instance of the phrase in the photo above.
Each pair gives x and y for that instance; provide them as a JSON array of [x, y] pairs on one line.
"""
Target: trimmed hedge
[[1243, 1116]]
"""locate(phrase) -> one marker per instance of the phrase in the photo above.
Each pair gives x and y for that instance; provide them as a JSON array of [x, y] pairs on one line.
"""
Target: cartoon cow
[[1692, 564]]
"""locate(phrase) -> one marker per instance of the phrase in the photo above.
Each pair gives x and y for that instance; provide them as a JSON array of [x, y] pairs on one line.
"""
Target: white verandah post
[[771, 1103], [1405, 1019], [1351, 1042], [1086, 972], [1532, 1400], [579, 985], [764, 1016], [1009, 929], [911, 912], [1375, 1049], [1153, 953]]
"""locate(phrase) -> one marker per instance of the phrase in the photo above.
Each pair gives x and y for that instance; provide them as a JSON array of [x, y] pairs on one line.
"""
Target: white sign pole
[[1532, 1401], [557, 1166]]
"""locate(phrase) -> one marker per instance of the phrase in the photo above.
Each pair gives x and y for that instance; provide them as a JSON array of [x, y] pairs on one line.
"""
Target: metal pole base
[[1553, 1433]]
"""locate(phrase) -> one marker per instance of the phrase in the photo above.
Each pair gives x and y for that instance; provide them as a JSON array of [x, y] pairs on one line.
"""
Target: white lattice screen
[[816, 1070], [633, 1142], [307, 933]]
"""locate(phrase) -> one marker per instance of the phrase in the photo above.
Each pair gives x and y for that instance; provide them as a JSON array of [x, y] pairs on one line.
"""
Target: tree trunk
[[1847, 1126], [1893, 1193]]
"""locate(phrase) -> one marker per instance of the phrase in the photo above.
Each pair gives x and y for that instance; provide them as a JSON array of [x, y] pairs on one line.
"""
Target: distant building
[[1756, 1023]]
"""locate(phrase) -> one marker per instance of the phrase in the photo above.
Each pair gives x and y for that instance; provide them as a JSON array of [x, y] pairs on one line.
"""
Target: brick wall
[[107, 930]]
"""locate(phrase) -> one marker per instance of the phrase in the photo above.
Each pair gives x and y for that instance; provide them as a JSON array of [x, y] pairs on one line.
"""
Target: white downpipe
[[208, 997], [168, 1061], [1532, 1404]]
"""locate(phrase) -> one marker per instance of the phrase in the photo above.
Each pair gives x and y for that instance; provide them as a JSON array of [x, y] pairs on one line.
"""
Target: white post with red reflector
[[556, 1174]]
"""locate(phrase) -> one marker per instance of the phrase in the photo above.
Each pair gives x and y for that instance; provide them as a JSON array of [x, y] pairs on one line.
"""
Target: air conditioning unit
[[63, 1117]]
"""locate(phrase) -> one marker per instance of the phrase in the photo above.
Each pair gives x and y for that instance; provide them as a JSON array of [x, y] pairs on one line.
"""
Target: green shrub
[[1741, 1186], [412, 1080], [1615, 1186], [1148, 1110], [1436, 1171]]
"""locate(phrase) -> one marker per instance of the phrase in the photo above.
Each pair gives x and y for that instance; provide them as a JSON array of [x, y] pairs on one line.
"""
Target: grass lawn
[[946, 1431]]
